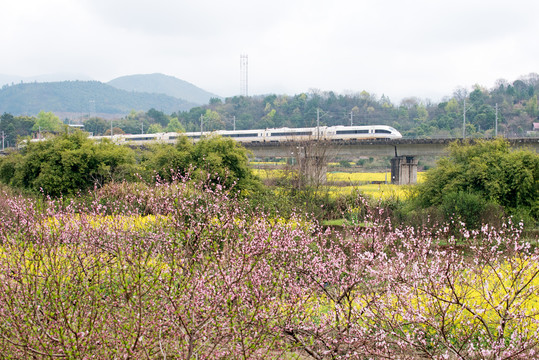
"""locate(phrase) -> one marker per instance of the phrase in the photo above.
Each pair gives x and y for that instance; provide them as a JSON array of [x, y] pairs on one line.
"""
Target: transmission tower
[[243, 76], [92, 109]]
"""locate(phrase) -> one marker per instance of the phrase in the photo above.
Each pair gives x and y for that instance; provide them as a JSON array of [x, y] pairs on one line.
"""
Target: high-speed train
[[278, 135]]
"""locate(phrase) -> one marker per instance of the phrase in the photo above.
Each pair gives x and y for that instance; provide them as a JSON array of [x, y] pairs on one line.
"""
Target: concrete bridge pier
[[403, 170]]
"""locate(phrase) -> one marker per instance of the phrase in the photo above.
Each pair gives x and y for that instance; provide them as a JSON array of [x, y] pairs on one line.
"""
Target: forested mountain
[[163, 84], [82, 97], [516, 105]]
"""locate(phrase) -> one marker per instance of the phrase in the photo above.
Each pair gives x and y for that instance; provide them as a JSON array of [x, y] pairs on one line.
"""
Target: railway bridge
[[404, 153]]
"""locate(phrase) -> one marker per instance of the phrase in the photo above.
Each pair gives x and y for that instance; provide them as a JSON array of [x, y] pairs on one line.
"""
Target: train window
[[241, 135], [346, 132], [140, 138], [382, 131], [291, 134]]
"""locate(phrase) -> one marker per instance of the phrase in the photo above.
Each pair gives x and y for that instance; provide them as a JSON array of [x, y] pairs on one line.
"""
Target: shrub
[[67, 164], [204, 278], [466, 206], [487, 169]]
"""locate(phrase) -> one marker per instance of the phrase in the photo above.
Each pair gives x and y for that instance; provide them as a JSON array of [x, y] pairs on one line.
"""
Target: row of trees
[[513, 105], [509, 109], [150, 122], [15, 128], [69, 163]]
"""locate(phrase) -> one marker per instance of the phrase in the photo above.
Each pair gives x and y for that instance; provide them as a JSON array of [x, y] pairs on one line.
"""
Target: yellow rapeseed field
[[345, 183]]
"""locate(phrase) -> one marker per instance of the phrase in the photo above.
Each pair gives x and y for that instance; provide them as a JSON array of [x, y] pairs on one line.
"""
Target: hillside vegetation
[[163, 84], [83, 97], [516, 103], [508, 109]]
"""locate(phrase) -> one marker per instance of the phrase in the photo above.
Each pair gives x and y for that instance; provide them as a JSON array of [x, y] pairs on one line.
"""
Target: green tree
[[154, 129], [47, 121], [158, 117], [96, 126], [212, 121], [222, 160], [225, 161], [489, 169], [66, 164], [174, 125], [167, 161], [531, 106], [422, 115]]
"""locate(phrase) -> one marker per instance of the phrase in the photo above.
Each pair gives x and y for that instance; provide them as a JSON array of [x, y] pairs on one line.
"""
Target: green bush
[[465, 206], [489, 170], [66, 164], [222, 160]]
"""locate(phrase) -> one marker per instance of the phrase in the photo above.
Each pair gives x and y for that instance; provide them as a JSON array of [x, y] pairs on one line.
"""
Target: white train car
[[141, 138], [338, 133], [280, 135], [244, 136]]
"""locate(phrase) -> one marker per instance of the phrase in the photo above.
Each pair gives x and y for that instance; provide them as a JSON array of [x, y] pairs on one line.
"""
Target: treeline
[[509, 109], [67, 164], [516, 105], [15, 128]]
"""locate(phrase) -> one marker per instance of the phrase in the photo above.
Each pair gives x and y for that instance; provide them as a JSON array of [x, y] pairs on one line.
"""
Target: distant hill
[[16, 79], [163, 84], [83, 97]]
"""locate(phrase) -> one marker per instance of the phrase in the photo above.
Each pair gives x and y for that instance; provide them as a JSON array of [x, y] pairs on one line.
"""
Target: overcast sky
[[397, 48]]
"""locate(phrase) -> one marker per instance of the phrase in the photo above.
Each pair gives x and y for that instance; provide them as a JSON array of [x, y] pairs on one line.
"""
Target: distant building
[[535, 131]]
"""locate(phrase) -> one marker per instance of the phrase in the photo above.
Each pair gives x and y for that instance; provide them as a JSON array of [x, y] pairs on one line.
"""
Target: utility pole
[[142, 127], [464, 121], [318, 122], [201, 122], [496, 123], [351, 118], [111, 129], [234, 122]]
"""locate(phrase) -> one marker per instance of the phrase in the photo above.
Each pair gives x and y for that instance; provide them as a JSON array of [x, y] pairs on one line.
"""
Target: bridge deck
[[399, 147]]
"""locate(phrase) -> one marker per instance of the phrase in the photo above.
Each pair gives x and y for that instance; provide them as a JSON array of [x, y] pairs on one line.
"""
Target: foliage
[[413, 117], [203, 278], [222, 160], [174, 126], [82, 96], [69, 163], [514, 105], [66, 164], [14, 127], [483, 170], [96, 126], [47, 121]]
